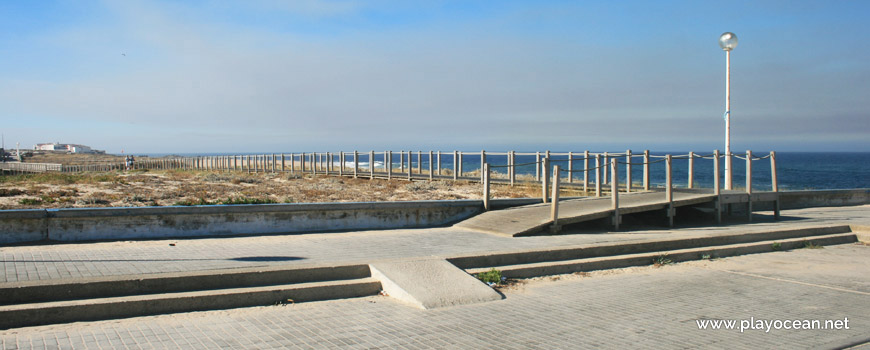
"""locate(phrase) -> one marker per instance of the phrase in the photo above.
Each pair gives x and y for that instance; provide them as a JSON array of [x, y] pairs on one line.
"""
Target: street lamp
[[728, 41]]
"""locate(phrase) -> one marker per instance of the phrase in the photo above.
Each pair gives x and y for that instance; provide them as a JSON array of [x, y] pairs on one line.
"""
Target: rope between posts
[[515, 165], [653, 162], [582, 170], [760, 158], [708, 156]]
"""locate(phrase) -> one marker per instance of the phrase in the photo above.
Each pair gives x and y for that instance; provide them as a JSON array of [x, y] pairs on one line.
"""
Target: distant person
[[128, 162]]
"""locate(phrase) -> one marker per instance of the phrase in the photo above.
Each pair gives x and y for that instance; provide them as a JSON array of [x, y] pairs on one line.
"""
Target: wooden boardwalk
[[535, 218]]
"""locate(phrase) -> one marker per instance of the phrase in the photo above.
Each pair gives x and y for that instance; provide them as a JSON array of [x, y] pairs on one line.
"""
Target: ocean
[[795, 170]]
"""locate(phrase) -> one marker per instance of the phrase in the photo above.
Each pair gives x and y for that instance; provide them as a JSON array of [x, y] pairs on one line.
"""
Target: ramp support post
[[554, 208], [486, 205], [614, 191]]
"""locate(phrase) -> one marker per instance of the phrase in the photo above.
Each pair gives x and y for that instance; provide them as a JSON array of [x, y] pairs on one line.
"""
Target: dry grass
[[186, 187]]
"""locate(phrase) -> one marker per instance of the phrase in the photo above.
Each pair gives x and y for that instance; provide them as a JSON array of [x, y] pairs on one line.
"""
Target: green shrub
[[492, 276], [30, 201], [242, 200]]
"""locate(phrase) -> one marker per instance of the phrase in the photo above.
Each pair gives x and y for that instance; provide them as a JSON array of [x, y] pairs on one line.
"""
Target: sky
[[313, 75]]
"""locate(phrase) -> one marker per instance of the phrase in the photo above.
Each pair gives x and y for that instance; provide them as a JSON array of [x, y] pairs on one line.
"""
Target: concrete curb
[[141, 305], [588, 251], [115, 286], [630, 260]]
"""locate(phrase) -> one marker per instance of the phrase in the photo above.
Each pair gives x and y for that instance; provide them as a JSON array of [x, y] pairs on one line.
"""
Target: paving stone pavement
[[63, 261], [635, 308]]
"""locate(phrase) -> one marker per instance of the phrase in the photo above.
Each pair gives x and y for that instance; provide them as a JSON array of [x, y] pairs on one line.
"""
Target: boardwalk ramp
[[535, 218]]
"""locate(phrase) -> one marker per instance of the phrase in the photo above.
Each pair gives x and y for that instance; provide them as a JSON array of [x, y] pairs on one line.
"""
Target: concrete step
[[604, 250], [114, 286], [546, 268], [23, 315]]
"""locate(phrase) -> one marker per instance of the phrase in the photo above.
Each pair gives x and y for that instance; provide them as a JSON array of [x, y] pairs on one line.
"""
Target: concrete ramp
[[530, 219], [430, 283]]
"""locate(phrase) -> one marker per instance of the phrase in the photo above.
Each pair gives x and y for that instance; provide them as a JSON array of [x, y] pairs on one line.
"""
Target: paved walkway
[[64, 261], [636, 308]]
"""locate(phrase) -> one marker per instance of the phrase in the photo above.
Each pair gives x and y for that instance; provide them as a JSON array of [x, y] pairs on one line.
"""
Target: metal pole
[[728, 178], [717, 187]]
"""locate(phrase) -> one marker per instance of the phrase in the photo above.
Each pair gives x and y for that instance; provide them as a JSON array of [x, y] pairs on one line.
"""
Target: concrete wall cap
[[255, 208]]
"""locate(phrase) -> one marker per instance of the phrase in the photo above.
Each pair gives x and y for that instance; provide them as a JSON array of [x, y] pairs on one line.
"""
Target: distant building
[[70, 148]]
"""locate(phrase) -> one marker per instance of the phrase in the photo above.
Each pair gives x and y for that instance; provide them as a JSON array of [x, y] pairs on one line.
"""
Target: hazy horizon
[[193, 77]]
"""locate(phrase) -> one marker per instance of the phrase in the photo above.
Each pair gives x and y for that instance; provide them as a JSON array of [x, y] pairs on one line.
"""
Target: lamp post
[[728, 41]]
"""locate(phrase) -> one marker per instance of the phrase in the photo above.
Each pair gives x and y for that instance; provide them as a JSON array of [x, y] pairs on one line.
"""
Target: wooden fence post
[[646, 172], [340, 164], [691, 169], [774, 186], [355, 164], [372, 165], [537, 166], [554, 208], [439, 163], [545, 179], [749, 184], [586, 172], [614, 191], [402, 161], [431, 174], [597, 175], [570, 167], [455, 169], [482, 161], [420, 162], [628, 171], [485, 172], [460, 163], [669, 190], [512, 161], [606, 161], [388, 160]]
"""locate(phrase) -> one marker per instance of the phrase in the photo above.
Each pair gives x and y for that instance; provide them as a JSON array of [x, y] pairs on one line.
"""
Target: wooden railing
[[544, 164]]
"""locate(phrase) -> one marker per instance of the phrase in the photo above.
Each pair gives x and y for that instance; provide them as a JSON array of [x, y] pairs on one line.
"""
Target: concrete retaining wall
[[818, 198], [89, 224]]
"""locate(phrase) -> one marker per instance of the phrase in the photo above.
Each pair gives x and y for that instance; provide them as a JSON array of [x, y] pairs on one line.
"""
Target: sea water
[[795, 170]]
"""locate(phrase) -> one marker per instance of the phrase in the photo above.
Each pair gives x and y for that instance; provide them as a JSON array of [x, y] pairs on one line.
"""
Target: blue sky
[[286, 76]]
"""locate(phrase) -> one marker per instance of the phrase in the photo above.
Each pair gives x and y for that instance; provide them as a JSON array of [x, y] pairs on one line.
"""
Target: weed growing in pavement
[[776, 246], [811, 245], [491, 277], [662, 260]]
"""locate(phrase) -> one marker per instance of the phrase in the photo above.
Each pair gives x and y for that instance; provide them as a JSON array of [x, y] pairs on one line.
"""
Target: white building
[[71, 148]]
